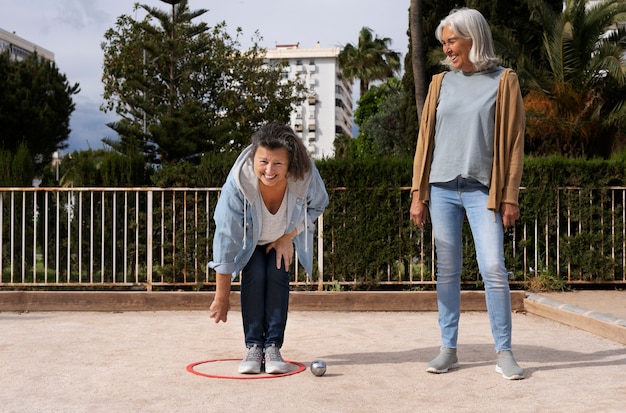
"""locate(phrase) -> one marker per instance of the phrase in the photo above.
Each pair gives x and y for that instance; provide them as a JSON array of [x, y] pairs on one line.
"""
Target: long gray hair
[[470, 24]]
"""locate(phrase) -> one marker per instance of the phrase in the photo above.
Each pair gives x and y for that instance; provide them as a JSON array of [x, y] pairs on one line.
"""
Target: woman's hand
[[221, 301], [419, 211], [219, 310], [510, 213], [284, 249]]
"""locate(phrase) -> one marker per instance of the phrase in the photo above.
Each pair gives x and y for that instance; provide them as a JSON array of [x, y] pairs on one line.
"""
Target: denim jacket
[[238, 216]]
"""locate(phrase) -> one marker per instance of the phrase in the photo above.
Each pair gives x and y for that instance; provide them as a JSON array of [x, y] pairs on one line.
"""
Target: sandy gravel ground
[[138, 362]]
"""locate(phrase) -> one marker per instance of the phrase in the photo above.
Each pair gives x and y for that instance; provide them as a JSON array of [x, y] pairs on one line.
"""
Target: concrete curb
[[191, 301], [604, 325]]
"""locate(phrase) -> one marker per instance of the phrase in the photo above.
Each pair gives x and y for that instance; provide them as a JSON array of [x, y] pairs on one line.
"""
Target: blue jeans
[[450, 203], [264, 299]]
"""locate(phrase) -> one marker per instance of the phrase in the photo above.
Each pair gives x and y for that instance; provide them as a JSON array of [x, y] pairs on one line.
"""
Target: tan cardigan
[[508, 148]]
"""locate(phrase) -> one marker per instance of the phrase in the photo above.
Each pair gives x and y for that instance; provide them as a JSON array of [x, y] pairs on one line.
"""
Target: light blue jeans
[[450, 203]]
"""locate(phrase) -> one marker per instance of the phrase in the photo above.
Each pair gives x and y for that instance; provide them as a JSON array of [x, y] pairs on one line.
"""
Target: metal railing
[[150, 238]]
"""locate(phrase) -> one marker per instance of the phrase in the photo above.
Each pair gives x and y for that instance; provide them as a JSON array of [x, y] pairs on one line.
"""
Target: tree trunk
[[418, 55]]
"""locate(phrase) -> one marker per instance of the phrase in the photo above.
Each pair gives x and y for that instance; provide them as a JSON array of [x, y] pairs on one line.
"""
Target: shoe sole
[[435, 371], [275, 371], [513, 377], [249, 370]]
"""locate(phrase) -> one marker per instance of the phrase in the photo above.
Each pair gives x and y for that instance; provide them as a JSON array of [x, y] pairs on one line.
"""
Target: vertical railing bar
[[58, 230], [91, 231], [558, 233], [23, 243], [623, 235], [547, 241], [536, 262], [1, 236], [432, 256], [406, 276], [589, 229], [125, 240], [208, 232], [613, 230], [320, 252], [602, 231], [35, 219], [46, 225], [12, 243], [422, 256], [114, 237], [149, 235], [69, 229], [137, 228], [80, 236], [569, 234], [184, 236], [195, 237], [102, 231], [525, 252], [162, 232], [173, 250]]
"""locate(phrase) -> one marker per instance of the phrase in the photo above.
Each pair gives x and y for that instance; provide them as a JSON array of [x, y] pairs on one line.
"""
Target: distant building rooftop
[[19, 48]]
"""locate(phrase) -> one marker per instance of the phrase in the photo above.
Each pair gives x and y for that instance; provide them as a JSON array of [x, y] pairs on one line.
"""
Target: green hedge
[[369, 239]]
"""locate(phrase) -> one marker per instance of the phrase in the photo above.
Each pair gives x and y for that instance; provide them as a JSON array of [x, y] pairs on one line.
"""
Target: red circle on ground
[[191, 369]]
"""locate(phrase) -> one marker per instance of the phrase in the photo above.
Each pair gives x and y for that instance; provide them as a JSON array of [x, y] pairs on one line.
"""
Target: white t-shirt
[[274, 225]]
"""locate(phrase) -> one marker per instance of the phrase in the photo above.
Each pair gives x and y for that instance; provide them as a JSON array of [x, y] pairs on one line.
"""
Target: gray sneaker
[[253, 361], [274, 363], [444, 361], [508, 367]]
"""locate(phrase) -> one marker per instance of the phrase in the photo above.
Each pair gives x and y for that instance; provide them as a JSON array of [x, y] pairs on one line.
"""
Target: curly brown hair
[[276, 136]]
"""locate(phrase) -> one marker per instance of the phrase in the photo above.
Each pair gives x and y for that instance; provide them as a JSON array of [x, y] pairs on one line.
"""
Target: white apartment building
[[20, 48], [327, 110]]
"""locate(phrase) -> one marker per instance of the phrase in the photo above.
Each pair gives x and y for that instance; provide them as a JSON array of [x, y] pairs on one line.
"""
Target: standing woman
[[269, 203], [468, 164]]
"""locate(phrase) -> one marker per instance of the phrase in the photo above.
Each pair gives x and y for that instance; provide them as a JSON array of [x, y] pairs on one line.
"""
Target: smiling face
[[271, 165], [457, 49]]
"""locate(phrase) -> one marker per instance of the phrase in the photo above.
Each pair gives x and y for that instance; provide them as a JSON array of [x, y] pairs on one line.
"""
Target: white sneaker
[[274, 363], [253, 361]]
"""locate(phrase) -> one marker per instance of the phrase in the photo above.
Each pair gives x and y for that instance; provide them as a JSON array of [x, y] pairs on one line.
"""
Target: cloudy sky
[[74, 29]]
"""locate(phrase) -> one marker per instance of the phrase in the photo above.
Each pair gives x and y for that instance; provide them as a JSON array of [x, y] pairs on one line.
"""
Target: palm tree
[[579, 108], [370, 60]]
